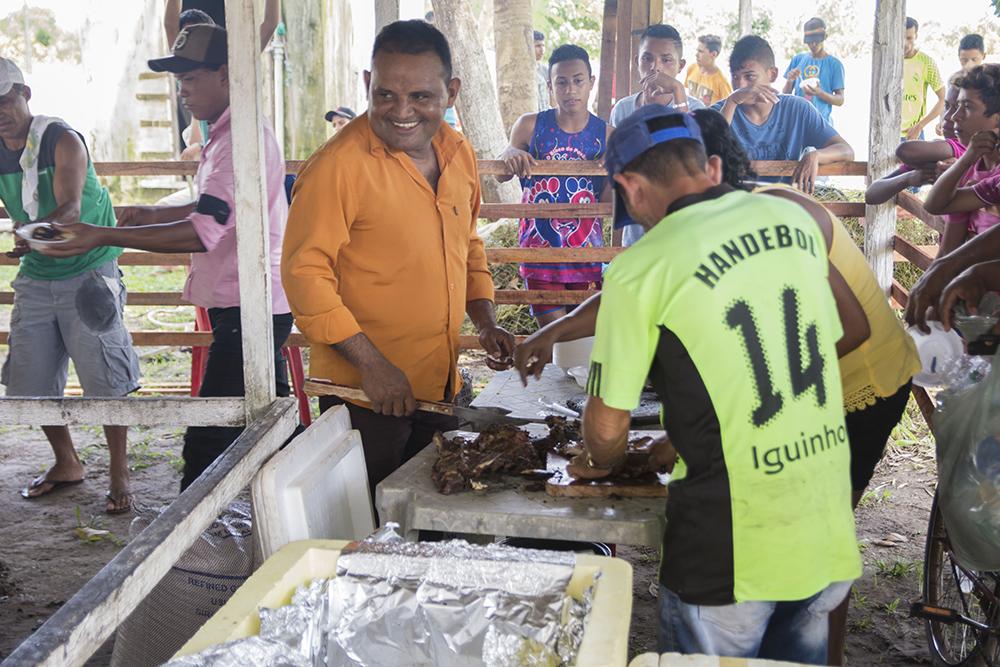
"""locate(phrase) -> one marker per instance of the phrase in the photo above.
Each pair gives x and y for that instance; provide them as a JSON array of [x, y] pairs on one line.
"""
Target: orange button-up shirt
[[370, 247]]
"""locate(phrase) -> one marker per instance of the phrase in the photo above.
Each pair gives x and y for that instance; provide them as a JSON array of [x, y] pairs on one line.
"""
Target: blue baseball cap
[[634, 137]]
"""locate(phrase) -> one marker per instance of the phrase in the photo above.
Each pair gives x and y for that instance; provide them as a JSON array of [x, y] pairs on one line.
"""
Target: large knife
[[476, 418]]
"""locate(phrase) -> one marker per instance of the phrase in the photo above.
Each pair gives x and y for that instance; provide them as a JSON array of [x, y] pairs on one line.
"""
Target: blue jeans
[[792, 631]]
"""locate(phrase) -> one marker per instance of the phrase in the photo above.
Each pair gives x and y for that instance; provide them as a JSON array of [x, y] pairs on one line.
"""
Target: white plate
[[25, 232], [580, 374]]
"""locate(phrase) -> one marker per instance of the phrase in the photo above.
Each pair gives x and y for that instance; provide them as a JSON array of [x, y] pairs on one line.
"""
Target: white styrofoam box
[[314, 488]]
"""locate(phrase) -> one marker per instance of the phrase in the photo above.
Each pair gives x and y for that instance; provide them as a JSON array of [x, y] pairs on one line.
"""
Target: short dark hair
[[660, 162], [750, 48], [912, 24], [539, 36], [719, 140], [972, 42], [566, 52], [414, 37], [985, 80], [663, 31], [712, 43], [193, 17]]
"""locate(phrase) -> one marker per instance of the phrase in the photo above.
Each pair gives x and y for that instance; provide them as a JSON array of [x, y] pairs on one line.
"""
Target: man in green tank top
[[725, 306], [64, 308]]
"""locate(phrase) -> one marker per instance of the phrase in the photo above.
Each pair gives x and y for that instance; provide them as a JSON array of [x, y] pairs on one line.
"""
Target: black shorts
[[868, 430]]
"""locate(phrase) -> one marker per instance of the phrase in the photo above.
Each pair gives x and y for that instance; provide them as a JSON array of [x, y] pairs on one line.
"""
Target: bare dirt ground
[[43, 561]]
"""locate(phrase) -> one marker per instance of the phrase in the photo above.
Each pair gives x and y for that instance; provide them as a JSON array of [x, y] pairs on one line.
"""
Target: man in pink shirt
[[206, 228]]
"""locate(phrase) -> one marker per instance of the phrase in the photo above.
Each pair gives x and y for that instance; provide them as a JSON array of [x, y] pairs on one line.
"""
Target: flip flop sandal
[[55, 485], [122, 503]]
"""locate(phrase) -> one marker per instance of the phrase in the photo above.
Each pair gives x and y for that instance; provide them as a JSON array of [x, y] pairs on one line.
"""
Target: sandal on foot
[[52, 484], [119, 504]]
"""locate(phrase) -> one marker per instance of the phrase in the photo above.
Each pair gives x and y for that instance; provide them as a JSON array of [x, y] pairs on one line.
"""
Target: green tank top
[[95, 208], [725, 305]]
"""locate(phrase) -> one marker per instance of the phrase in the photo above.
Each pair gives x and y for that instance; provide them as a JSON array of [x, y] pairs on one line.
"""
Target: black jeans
[[224, 377]]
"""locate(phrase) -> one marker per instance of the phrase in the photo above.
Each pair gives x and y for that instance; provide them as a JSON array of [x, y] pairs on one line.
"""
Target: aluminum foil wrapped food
[[249, 652], [446, 604]]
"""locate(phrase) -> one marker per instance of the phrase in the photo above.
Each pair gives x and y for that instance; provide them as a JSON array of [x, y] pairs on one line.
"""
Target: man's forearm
[[605, 433], [789, 87], [933, 115], [360, 351], [838, 152], [943, 190], [984, 247], [163, 214], [170, 237], [729, 110], [834, 99], [482, 312]]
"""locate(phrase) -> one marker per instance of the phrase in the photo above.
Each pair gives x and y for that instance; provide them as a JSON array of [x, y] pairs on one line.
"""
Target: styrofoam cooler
[[573, 353], [605, 637], [316, 487]]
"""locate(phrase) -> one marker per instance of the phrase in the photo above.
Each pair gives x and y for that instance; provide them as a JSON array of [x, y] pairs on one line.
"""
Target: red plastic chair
[[292, 356]]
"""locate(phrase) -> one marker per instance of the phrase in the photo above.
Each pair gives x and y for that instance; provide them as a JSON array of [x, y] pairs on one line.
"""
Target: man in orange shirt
[[381, 260]]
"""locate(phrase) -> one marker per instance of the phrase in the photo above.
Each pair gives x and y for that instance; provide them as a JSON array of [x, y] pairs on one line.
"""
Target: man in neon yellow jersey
[[726, 306]]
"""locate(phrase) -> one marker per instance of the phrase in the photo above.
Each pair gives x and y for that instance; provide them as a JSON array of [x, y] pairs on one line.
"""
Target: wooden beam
[[745, 18], [623, 50], [883, 134], [606, 76], [551, 255], [640, 20], [913, 205], [655, 12], [253, 239], [897, 292], [71, 635], [916, 255], [123, 411], [501, 211]]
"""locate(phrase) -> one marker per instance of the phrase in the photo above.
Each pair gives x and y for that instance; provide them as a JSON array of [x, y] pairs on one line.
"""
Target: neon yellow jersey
[[919, 73], [726, 307]]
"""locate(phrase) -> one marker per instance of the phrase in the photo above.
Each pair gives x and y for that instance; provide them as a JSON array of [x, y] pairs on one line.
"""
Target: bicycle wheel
[[972, 594]]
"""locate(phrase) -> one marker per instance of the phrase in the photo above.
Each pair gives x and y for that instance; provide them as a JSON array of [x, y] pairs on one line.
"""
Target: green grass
[[873, 497], [895, 570]]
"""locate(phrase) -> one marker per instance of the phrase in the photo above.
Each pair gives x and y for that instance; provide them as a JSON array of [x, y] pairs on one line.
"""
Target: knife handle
[[315, 387]]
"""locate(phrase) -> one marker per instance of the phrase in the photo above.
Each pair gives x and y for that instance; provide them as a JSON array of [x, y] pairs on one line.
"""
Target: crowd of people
[[744, 303]]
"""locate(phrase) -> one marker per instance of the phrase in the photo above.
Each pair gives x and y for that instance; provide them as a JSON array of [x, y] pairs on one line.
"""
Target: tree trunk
[[477, 101], [883, 134], [305, 85], [515, 60]]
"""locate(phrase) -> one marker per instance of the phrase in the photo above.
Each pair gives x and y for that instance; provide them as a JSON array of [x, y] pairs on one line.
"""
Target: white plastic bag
[[967, 430]]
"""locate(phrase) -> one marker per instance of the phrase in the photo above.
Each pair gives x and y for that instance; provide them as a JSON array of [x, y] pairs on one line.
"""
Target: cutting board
[[563, 485]]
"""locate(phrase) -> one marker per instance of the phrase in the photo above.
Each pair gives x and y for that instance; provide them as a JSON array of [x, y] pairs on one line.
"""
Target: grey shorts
[[79, 318]]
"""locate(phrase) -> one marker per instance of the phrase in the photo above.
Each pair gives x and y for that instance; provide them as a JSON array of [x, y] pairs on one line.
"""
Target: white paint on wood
[[78, 629], [252, 236], [746, 17], [883, 134], [122, 411]]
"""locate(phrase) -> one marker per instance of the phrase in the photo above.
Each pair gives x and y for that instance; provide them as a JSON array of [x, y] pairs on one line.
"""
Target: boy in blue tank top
[[567, 132]]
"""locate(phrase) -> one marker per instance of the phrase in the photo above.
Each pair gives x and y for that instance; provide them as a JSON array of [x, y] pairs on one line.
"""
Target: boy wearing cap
[[340, 117], [777, 127], [63, 308], [207, 228], [725, 305], [816, 75]]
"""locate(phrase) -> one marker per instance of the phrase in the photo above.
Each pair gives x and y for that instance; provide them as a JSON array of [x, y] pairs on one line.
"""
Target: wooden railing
[[904, 251]]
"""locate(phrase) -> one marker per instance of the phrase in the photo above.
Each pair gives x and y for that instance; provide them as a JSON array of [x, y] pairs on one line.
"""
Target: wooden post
[[252, 233], [883, 135], [640, 20], [623, 50], [606, 78], [71, 635], [746, 17], [655, 12], [386, 12]]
